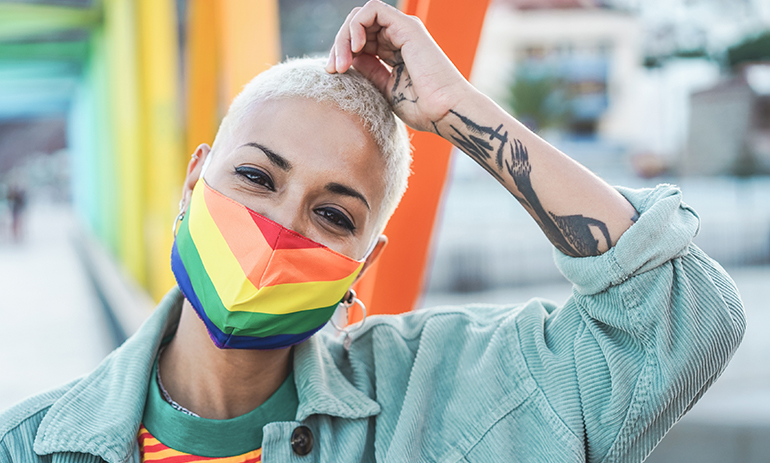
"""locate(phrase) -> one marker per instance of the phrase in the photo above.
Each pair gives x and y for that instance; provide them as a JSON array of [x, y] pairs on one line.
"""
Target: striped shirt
[[152, 450], [169, 435]]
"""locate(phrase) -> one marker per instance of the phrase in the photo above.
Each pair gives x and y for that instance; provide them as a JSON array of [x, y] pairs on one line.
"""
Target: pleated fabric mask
[[254, 283]]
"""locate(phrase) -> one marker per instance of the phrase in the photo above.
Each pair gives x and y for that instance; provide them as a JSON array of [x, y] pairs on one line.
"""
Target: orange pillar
[[202, 74], [229, 42], [395, 283], [251, 41]]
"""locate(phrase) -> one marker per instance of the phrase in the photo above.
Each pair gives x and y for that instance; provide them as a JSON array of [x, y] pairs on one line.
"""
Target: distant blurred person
[[17, 202], [284, 213]]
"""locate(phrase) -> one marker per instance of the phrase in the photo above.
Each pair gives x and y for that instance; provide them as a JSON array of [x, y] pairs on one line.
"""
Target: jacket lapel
[[101, 414], [321, 386]]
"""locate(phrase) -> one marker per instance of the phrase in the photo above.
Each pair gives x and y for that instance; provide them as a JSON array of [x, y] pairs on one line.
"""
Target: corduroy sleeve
[[651, 324]]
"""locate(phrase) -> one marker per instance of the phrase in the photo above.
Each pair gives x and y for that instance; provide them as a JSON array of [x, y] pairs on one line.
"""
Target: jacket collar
[[321, 386], [101, 414]]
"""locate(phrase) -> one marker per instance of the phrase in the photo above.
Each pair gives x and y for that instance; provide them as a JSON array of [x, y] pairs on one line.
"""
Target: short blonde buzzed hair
[[352, 93]]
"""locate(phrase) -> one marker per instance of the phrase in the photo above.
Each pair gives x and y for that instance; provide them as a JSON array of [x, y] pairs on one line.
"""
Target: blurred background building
[[640, 92], [102, 101]]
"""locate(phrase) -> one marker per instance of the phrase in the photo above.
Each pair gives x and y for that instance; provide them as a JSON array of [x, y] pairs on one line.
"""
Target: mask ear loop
[[179, 217], [350, 300], [182, 212], [205, 166]]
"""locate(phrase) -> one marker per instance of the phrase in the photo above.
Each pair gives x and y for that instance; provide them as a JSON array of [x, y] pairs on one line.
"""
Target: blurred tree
[[746, 164], [751, 49], [538, 101]]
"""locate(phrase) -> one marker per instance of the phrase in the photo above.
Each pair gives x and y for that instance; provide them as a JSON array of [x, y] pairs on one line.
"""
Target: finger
[[330, 62], [389, 57], [386, 46], [372, 16], [343, 55], [375, 16], [372, 45], [370, 48], [371, 32], [358, 36], [371, 68]]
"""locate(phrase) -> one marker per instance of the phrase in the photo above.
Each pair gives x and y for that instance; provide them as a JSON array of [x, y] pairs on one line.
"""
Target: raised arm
[[651, 323], [579, 213]]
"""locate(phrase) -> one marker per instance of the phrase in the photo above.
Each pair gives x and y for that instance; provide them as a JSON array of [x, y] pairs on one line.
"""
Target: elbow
[[720, 301]]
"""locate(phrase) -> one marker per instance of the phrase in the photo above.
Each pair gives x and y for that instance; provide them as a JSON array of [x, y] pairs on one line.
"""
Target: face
[[305, 165]]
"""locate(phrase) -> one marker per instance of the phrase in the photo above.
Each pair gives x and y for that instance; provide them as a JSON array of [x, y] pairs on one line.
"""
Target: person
[[287, 209], [17, 200]]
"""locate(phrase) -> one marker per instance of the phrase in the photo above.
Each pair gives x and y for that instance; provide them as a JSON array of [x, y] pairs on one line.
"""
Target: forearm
[[579, 213]]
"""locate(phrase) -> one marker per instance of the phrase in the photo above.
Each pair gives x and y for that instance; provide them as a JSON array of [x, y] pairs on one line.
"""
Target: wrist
[[468, 101]]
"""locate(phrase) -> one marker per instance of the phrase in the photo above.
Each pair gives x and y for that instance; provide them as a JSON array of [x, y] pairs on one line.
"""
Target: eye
[[336, 218], [256, 176]]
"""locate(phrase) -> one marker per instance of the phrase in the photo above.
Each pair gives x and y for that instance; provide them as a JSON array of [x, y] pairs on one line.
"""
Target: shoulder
[[19, 424], [418, 323], [456, 334]]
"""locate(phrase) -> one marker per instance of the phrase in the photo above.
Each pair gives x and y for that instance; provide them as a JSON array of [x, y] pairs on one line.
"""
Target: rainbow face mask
[[254, 283]]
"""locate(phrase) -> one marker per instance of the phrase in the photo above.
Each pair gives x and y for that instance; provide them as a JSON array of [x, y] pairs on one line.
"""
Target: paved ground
[[51, 326]]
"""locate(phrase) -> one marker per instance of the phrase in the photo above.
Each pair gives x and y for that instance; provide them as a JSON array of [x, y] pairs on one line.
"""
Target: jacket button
[[302, 440]]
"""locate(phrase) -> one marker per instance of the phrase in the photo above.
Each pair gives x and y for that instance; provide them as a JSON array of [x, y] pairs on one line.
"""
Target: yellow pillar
[[161, 138], [120, 37]]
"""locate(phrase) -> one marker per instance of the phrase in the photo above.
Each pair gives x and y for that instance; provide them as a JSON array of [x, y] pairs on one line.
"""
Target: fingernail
[[329, 62], [339, 62]]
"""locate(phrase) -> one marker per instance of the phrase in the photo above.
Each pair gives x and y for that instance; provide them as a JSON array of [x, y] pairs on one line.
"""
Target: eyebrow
[[340, 189], [275, 158]]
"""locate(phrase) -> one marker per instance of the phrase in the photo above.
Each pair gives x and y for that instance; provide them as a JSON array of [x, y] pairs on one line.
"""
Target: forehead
[[316, 137]]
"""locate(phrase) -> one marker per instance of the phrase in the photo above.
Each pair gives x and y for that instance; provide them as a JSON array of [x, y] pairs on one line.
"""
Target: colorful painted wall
[[135, 115], [121, 83]]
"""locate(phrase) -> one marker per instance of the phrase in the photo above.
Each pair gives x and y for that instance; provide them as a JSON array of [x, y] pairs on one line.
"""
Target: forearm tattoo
[[508, 159], [491, 147]]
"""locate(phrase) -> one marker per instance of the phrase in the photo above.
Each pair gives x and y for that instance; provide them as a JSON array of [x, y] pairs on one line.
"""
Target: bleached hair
[[352, 93]]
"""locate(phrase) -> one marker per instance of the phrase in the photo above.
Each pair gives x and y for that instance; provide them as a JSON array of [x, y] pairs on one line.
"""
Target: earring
[[194, 156], [179, 216], [349, 301]]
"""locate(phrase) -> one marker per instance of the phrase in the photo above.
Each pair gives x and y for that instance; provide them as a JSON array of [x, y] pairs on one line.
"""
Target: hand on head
[[399, 56]]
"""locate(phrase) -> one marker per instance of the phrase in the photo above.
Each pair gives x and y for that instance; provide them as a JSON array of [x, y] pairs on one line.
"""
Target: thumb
[[373, 69]]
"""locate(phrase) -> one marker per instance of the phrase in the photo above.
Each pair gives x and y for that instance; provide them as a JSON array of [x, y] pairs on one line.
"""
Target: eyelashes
[[333, 216], [256, 176], [336, 218]]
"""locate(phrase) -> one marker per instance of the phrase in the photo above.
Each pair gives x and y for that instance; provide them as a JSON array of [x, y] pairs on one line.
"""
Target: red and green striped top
[[154, 451], [168, 435]]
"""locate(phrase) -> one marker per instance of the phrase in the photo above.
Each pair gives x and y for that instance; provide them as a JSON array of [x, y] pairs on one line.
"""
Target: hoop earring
[[179, 217], [350, 300]]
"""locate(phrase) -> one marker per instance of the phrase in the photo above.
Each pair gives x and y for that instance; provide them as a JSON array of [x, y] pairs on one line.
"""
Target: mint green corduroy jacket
[[650, 325]]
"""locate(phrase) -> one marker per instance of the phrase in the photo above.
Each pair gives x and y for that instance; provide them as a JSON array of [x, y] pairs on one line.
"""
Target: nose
[[289, 213]]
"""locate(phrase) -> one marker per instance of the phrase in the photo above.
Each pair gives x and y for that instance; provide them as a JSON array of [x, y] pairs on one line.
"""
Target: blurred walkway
[[51, 325]]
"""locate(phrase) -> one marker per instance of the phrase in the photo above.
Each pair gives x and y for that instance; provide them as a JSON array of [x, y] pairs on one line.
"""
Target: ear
[[194, 168], [382, 240]]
